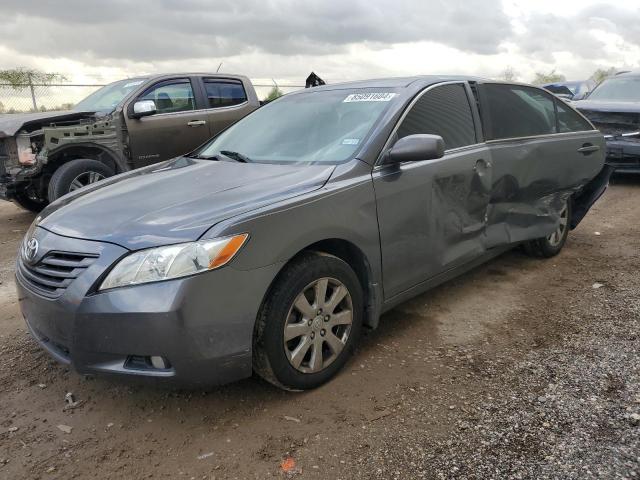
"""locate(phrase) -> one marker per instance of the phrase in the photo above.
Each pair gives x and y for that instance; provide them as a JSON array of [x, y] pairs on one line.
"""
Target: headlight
[[173, 261]]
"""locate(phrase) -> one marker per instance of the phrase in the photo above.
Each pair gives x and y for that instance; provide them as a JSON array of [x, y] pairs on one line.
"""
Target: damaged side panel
[[533, 178]]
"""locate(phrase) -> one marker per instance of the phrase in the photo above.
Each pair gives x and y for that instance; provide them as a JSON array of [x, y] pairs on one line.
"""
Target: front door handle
[[587, 148], [196, 123]]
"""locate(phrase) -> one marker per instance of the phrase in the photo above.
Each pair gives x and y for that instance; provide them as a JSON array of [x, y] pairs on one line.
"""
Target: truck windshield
[[326, 126], [618, 89], [108, 97]]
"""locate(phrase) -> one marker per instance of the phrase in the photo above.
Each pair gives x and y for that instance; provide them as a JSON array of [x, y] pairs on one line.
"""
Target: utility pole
[[33, 94]]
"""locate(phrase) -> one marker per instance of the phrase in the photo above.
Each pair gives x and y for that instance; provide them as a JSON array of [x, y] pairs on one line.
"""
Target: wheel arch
[[90, 151], [357, 260]]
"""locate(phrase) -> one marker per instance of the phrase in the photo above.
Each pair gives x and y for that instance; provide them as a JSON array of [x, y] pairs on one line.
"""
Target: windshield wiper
[[238, 157]]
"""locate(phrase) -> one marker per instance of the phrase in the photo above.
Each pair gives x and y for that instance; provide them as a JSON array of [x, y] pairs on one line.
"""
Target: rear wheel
[[309, 324], [77, 174], [551, 245]]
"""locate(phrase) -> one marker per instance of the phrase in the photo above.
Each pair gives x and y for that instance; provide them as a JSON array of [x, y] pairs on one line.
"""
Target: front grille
[[51, 276]]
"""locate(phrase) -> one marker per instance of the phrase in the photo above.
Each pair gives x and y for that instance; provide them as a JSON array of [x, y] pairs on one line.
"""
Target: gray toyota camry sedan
[[271, 247]]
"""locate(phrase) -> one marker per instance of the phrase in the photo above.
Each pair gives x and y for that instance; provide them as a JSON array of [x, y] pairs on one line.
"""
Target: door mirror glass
[[144, 108], [414, 148]]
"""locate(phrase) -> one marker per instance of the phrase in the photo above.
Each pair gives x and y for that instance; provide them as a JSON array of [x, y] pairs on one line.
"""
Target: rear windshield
[[326, 126], [618, 89]]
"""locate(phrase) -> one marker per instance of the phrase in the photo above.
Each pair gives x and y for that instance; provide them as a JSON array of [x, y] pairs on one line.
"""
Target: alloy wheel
[[556, 237], [84, 179], [318, 325]]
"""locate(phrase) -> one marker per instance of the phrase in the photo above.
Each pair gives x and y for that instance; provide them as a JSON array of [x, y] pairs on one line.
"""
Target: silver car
[[271, 247]]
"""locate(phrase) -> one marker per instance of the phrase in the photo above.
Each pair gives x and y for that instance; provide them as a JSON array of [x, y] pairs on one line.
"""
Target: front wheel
[[309, 323], [551, 245], [29, 201], [77, 174]]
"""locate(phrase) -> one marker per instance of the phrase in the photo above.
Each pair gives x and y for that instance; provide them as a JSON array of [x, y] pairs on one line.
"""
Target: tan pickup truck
[[124, 125]]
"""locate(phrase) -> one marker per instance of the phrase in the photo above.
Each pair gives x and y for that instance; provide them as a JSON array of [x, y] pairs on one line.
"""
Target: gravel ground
[[520, 369]]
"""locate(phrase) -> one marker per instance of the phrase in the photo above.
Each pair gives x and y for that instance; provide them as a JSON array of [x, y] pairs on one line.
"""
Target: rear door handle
[[197, 123], [587, 149]]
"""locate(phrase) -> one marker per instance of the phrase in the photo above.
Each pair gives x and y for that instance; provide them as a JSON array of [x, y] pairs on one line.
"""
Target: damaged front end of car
[[31, 148]]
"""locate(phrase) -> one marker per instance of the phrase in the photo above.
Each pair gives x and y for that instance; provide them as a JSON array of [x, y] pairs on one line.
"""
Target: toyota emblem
[[30, 250]]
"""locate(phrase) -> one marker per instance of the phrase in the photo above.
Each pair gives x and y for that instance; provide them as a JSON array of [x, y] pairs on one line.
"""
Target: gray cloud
[[546, 33], [146, 30]]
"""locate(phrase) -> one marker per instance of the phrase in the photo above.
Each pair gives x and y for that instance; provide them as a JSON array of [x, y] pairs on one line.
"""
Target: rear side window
[[443, 111], [224, 93], [514, 111], [569, 120], [173, 96]]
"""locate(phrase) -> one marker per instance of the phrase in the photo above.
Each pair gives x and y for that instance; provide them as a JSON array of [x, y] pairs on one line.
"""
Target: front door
[[177, 128], [432, 213]]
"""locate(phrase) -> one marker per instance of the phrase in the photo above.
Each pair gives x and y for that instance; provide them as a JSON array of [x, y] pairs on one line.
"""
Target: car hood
[[601, 106], [175, 201], [11, 123]]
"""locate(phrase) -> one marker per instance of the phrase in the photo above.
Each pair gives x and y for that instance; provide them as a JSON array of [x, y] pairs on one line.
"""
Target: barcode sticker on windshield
[[369, 97], [133, 84]]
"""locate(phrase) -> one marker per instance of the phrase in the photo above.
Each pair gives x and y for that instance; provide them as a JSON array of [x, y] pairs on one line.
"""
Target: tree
[[600, 74], [19, 77], [274, 93], [1, 107], [22, 77], [509, 74], [542, 78]]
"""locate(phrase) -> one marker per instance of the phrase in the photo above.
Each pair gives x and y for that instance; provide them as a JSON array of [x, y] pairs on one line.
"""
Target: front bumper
[[624, 154], [202, 325]]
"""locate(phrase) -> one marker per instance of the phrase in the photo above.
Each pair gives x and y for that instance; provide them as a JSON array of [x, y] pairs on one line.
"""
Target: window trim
[[415, 100], [204, 80], [165, 81]]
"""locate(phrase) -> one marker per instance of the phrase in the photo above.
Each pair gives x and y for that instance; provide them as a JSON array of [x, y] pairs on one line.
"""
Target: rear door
[[226, 102], [179, 125], [538, 160], [432, 213]]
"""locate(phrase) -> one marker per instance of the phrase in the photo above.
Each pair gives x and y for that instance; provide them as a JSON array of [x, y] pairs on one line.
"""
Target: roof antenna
[[219, 67]]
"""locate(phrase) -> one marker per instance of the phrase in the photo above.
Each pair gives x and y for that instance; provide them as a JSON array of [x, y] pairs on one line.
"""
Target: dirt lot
[[521, 369]]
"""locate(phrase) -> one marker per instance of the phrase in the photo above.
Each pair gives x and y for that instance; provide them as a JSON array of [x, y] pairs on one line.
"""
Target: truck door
[[226, 102], [178, 127], [432, 213]]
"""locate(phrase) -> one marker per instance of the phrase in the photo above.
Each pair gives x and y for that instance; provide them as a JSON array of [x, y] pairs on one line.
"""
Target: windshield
[[618, 89], [312, 127], [108, 97]]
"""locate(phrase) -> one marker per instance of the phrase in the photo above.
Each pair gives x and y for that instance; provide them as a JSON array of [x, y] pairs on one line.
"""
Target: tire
[[550, 246], [281, 361], [35, 205], [76, 174]]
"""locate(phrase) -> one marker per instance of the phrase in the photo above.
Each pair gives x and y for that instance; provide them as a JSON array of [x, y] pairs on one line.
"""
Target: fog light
[[159, 362]]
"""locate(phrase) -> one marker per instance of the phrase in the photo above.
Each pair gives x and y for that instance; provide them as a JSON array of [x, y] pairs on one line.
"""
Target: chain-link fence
[[42, 98]]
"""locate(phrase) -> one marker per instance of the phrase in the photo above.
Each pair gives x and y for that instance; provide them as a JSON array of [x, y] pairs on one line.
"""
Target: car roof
[[397, 82], [635, 73]]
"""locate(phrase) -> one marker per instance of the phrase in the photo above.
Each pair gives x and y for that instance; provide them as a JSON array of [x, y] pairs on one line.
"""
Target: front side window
[[443, 111], [570, 121], [515, 111], [169, 97], [326, 126], [221, 93]]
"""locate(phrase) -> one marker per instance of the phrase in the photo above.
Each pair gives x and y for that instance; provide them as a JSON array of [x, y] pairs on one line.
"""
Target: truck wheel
[[77, 174], [35, 205], [550, 246], [309, 323]]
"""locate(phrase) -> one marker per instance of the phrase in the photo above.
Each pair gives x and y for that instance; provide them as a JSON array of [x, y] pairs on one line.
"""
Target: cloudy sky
[[339, 39]]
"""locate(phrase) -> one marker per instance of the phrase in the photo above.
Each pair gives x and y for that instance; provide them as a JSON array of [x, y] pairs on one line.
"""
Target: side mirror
[[144, 108], [414, 148]]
